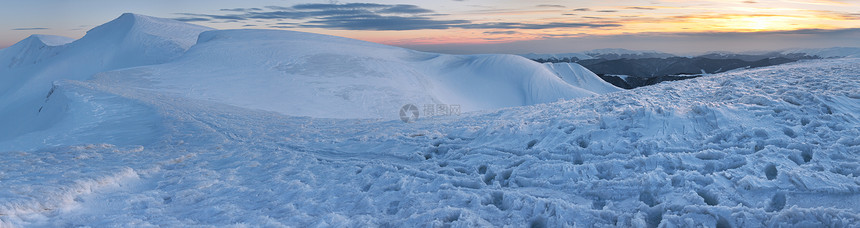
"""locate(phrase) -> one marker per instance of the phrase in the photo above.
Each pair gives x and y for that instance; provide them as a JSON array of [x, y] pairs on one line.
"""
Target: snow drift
[[31, 50], [201, 139], [294, 73], [305, 74], [130, 40], [28, 68], [577, 75]]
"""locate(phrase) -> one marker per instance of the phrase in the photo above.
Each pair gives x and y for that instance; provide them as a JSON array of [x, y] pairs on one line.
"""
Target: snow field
[[195, 141], [38, 61], [577, 75], [711, 151], [303, 74]]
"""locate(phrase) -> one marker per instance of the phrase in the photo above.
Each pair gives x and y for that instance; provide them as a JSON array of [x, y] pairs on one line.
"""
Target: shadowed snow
[[213, 137]]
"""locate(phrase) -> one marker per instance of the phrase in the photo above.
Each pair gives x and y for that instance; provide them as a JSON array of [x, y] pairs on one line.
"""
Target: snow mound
[[51, 40], [304, 74], [31, 50], [202, 140], [774, 146], [28, 68], [134, 40], [130, 40], [577, 75]]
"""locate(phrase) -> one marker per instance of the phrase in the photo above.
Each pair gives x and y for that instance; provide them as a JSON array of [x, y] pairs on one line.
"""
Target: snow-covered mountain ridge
[[294, 73], [834, 52], [169, 143], [604, 53], [315, 75], [620, 53], [128, 41]]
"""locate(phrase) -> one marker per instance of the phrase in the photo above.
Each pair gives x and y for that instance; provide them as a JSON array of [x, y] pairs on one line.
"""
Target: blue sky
[[483, 26]]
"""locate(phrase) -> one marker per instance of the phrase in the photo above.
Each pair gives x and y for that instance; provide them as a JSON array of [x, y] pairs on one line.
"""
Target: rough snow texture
[[768, 147]]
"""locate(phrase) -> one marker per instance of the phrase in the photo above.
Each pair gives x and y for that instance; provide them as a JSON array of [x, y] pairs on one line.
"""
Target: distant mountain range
[[620, 53], [630, 69], [606, 53], [834, 52]]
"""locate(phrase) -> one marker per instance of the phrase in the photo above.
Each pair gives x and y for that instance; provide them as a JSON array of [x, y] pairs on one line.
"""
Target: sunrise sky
[[484, 26]]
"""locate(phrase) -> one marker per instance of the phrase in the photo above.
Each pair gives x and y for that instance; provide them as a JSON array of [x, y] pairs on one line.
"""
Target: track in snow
[[764, 147]]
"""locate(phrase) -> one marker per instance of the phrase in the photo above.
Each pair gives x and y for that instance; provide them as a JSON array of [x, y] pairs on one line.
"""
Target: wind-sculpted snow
[[28, 68], [31, 50], [768, 147], [577, 75], [303, 74], [214, 136]]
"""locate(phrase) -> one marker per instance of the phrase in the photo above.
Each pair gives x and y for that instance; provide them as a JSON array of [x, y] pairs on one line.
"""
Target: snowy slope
[[305, 74], [130, 40], [767, 147], [31, 50], [578, 76], [28, 68], [773, 146]]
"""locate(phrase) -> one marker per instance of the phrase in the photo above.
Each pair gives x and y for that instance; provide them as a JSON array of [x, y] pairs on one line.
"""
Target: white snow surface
[[579, 76], [28, 68], [766, 147], [303, 74]]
